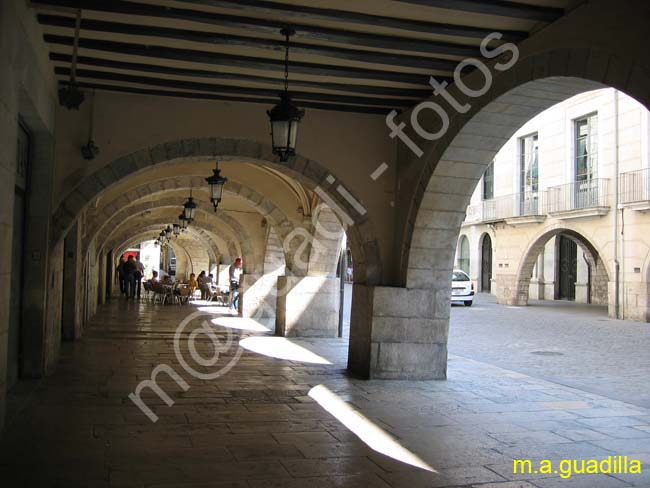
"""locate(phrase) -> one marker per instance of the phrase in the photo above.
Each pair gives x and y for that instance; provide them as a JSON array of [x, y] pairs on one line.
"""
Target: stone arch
[[111, 213], [274, 261], [516, 293], [307, 171], [479, 257], [235, 232], [213, 253], [545, 74], [463, 254]]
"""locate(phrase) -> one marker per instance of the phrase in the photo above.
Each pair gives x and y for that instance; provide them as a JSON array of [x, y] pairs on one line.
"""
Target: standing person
[[235, 276], [193, 284], [201, 280], [138, 275], [121, 276], [129, 273]]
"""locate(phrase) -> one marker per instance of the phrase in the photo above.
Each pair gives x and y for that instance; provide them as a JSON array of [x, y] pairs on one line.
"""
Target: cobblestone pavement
[[567, 343], [257, 426]]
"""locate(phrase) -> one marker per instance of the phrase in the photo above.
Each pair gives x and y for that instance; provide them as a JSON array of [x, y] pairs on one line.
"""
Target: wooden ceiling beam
[[248, 62], [399, 60], [207, 74], [308, 31], [211, 96], [238, 90], [499, 8]]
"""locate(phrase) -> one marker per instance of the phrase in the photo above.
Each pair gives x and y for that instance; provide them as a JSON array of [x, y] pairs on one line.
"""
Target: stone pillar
[[307, 306], [582, 279], [399, 333], [39, 280], [72, 282], [258, 296], [510, 291], [537, 282]]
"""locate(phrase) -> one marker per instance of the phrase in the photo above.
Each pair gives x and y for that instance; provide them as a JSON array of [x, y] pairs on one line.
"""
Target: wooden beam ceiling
[[368, 61]]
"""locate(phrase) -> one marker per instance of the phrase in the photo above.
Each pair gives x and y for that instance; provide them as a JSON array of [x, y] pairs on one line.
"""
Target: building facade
[[565, 205]]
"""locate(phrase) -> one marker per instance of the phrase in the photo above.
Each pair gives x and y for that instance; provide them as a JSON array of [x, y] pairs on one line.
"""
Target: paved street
[[567, 343], [287, 415]]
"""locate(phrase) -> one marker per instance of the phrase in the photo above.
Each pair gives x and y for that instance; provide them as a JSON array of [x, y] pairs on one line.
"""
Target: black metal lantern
[[189, 209], [162, 238], [177, 229], [182, 222], [285, 116], [168, 232], [156, 243], [216, 182]]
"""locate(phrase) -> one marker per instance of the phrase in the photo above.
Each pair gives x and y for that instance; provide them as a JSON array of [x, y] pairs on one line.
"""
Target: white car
[[462, 288]]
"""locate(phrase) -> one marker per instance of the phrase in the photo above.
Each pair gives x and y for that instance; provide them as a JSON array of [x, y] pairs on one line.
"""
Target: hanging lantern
[[168, 232], [162, 238], [216, 182], [176, 229], [189, 209], [182, 222], [285, 116]]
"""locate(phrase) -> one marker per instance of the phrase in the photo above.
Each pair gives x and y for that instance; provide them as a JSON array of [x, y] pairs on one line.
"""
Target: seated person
[[192, 283]]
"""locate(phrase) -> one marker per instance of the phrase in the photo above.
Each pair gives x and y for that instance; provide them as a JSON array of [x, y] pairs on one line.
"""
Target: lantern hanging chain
[[75, 46], [286, 62], [92, 116]]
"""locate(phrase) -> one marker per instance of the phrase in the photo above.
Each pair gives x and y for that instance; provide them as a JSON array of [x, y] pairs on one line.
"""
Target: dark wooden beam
[[347, 16], [210, 96], [238, 90], [500, 8], [310, 31], [399, 60], [279, 82], [249, 62]]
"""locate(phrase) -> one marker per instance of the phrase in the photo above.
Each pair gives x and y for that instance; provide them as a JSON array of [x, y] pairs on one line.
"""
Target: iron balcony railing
[[634, 186], [577, 195], [505, 207]]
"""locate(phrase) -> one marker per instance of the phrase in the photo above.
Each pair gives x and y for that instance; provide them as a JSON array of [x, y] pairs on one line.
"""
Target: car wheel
[[468, 303]]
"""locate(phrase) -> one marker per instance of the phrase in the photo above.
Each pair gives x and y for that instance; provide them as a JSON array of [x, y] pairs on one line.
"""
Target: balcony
[[514, 209], [634, 190], [577, 200]]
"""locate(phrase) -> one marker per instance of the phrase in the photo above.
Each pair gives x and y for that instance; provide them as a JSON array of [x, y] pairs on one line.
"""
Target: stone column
[[72, 283], [399, 333], [582, 279], [510, 291], [258, 298], [307, 306], [39, 281], [537, 282]]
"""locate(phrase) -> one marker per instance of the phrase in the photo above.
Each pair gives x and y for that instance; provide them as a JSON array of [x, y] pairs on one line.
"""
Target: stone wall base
[[394, 335], [307, 306]]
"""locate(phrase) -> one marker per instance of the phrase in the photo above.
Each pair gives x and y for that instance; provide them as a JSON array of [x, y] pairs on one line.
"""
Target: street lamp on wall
[[285, 116]]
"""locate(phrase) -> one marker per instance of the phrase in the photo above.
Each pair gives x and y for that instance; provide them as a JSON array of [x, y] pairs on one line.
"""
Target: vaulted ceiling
[[363, 56]]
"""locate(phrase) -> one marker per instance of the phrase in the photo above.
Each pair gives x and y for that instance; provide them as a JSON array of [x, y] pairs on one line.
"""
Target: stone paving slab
[[257, 427]]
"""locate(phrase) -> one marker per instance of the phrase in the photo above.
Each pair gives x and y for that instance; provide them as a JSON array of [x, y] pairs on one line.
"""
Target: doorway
[[567, 268], [486, 264], [14, 355]]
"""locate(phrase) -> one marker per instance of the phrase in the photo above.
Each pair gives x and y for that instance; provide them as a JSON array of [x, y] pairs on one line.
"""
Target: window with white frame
[[586, 148]]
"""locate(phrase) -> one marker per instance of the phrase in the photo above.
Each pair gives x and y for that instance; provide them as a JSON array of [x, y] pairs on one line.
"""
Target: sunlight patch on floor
[[375, 437], [281, 348], [240, 323]]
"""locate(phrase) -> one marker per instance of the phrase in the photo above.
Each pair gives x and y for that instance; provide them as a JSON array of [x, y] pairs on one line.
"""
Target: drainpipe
[[623, 261], [617, 268]]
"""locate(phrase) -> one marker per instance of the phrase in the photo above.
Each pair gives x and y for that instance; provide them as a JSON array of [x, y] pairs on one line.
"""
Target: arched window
[[463, 255]]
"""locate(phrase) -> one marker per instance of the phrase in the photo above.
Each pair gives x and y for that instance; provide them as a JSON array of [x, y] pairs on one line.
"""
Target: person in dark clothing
[[138, 275], [130, 268], [121, 275]]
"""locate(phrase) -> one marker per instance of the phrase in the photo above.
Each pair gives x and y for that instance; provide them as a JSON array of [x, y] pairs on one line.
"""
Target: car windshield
[[459, 276]]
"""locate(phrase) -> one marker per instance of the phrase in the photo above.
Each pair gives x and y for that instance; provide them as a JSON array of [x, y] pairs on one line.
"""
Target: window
[[463, 257], [488, 182], [586, 156], [529, 174]]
